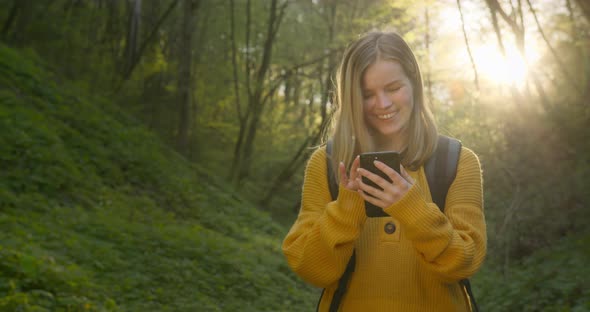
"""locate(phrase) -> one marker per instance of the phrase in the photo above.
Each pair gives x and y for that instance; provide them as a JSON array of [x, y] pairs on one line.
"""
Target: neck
[[397, 144]]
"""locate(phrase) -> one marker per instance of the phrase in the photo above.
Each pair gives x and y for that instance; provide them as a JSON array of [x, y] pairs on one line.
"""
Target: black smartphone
[[391, 159]]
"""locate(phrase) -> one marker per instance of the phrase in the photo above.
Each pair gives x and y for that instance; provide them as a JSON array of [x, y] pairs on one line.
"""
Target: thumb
[[343, 176], [405, 174]]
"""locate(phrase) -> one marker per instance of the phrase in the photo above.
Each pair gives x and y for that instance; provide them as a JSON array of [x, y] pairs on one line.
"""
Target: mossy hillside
[[98, 215], [552, 279]]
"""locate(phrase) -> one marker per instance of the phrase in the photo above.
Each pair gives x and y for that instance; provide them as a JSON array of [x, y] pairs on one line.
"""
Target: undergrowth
[[97, 214]]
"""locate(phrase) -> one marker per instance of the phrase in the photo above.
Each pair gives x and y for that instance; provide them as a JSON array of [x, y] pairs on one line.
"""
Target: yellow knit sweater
[[414, 266]]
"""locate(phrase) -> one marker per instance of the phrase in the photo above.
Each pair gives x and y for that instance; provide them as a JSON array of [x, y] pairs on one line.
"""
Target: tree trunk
[[250, 136], [185, 76], [256, 100], [132, 36], [302, 152], [585, 8], [11, 18], [242, 117], [127, 73], [287, 172], [23, 18], [558, 60]]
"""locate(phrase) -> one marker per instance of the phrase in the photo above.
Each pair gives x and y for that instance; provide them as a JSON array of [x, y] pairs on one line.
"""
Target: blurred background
[[152, 152]]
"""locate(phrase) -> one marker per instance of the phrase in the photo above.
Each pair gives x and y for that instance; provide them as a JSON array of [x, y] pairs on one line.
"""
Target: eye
[[367, 96], [393, 89]]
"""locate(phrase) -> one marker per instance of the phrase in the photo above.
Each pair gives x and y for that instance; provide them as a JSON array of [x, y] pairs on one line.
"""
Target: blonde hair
[[349, 134]]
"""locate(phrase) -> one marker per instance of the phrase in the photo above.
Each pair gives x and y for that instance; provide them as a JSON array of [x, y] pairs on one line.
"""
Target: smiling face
[[387, 103]]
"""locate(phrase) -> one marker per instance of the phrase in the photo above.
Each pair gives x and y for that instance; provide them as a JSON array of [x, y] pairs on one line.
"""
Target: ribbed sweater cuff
[[350, 208], [412, 208]]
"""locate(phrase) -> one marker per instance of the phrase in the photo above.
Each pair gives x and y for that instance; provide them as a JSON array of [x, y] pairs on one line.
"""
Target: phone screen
[[391, 159]]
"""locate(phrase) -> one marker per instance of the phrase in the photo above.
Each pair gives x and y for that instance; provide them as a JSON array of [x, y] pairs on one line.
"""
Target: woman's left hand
[[392, 191]]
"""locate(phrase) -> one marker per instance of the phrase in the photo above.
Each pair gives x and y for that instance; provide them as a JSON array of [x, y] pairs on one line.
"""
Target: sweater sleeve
[[320, 242], [452, 244]]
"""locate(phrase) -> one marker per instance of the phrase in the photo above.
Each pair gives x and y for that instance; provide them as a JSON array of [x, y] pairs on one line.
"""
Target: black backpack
[[440, 169]]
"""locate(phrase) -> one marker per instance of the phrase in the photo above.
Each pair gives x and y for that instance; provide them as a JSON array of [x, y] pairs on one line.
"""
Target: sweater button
[[389, 227]]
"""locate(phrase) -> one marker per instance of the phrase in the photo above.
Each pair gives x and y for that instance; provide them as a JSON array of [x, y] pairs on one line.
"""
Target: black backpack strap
[[467, 285], [332, 183], [441, 169], [345, 278], [343, 283]]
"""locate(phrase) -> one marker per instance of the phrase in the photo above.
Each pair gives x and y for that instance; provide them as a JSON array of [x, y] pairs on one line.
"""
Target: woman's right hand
[[350, 181]]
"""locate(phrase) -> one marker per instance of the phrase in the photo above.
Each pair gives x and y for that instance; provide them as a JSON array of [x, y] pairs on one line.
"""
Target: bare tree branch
[[567, 75], [585, 7], [495, 5], [248, 60], [516, 95], [234, 60], [475, 78], [145, 43], [428, 71], [289, 71]]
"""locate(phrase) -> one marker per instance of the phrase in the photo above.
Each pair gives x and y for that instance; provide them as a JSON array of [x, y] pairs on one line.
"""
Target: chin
[[390, 132]]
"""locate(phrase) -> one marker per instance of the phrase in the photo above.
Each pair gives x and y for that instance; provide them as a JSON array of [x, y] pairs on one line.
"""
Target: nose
[[383, 100]]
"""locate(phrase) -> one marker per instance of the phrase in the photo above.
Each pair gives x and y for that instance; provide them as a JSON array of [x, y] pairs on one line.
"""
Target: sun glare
[[492, 66], [511, 69]]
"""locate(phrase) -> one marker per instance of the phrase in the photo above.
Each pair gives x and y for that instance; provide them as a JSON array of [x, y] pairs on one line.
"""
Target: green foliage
[[552, 279], [98, 215], [33, 282], [85, 190]]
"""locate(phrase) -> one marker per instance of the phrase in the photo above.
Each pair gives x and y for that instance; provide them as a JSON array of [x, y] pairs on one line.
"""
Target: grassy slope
[[97, 215], [552, 279]]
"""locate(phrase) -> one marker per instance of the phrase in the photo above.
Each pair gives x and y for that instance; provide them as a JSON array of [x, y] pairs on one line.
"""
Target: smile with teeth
[[386, 116]]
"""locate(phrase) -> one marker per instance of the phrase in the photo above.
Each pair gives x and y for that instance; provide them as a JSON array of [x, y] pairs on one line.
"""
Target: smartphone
[[391, 159]]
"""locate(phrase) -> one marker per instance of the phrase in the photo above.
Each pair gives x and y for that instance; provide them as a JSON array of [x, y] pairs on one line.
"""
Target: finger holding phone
[[382, 185], [350, 181]]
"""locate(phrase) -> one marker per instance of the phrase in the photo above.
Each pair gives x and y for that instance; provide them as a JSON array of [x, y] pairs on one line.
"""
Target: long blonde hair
[[349, 133]]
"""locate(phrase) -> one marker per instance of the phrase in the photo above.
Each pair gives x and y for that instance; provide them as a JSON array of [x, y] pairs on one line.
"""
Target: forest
[[152, 152]]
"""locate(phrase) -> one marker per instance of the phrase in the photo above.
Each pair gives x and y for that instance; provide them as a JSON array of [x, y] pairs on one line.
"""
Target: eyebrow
[[397, 81], [389, 84]]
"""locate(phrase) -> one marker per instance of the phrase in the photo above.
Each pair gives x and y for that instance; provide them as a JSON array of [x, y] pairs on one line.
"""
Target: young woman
[[413, 258]]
